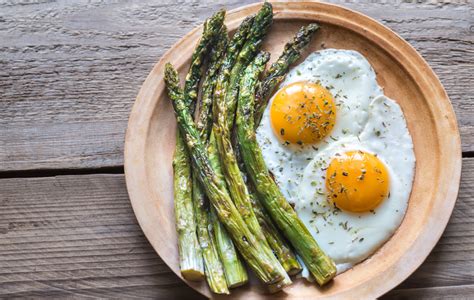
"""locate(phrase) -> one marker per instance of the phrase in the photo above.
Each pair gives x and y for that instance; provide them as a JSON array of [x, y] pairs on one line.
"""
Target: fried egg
[[341, 152], [354, 193]]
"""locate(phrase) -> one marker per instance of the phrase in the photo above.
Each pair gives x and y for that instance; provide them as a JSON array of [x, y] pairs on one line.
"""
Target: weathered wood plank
[[76, 236], [463, 292], [69, 72]]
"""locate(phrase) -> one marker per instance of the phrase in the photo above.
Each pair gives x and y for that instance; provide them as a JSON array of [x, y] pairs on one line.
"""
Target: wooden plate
[[405, 77]]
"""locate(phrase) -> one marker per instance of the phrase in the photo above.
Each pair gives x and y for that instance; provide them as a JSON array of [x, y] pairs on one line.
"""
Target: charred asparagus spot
[[215, 189], [319, 264], [279, 68], [191, 256]]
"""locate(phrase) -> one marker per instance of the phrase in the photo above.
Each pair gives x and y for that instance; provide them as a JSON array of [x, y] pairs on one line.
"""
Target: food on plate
[[235, 272], [246, 242], [240, 221], [224, 105], [234, 269], [190, 254], [350, 186], [318, 263], [214, 268], [305, 171]]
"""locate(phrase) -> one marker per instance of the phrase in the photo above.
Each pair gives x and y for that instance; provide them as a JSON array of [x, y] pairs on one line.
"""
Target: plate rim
[[130, 164]]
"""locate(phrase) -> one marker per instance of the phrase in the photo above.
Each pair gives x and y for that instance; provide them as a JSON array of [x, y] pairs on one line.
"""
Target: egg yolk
[[357, 181], [302, 113]]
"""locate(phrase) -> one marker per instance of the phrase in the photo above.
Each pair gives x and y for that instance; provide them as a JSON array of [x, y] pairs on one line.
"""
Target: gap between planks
[[60, 172], [89, 171]]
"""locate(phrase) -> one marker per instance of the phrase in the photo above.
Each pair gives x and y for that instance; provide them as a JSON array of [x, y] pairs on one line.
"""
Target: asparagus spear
[[213, 267], [215, 189], [233, 49], [261, 24], [191, 260], [279, 68], [274, 77], [235, 272], [211, 30], [225, 102], [204, 118], [190, 255], [319, 264], [278, 244], [236, 185]]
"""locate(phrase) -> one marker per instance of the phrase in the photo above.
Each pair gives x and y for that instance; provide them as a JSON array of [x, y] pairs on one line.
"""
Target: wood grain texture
[[463, 292], [76, 236], [70, 71]]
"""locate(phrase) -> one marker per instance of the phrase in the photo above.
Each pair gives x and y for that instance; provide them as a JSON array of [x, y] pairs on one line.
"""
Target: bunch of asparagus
[[228, 209]]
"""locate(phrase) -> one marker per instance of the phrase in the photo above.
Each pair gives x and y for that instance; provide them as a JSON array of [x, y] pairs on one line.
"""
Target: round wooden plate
[[405, 77]]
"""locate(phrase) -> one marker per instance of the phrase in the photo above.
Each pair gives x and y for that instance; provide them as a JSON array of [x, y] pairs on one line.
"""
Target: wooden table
[[69, 73]]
